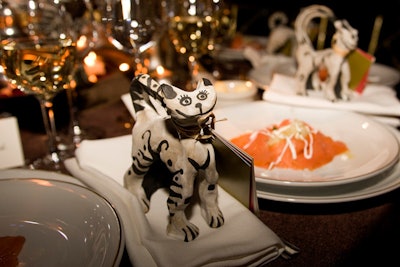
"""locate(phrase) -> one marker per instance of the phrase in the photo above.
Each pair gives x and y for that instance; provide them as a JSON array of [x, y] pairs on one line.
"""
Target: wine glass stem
[[50, 128], [139, 63], [73, 110]]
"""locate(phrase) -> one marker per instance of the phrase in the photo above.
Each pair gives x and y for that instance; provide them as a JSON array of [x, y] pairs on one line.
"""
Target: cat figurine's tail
[[146, 94], [305, 17]]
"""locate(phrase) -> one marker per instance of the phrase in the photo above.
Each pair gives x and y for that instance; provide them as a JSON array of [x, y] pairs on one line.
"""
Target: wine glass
[[40, 60], [90, 30], [227, 23], [132, 26], [192, 29]]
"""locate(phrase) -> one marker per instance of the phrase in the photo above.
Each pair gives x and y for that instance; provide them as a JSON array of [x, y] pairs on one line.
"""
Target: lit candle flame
[[93, 66]]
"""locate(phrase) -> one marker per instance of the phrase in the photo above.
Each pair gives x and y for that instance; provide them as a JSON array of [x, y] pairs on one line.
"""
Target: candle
[[162, 75], [231, 92], [93, 66]]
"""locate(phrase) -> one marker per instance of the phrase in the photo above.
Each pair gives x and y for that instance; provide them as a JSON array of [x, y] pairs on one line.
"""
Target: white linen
[[242, 241], [377, 100]]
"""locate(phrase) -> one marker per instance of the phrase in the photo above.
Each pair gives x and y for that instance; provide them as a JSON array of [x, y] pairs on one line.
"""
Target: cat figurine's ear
[[204, 82], [169, 91], [207, 85]]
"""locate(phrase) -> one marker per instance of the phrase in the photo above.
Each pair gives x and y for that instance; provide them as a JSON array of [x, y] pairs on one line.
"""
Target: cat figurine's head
[[189, 105], [345, 37]]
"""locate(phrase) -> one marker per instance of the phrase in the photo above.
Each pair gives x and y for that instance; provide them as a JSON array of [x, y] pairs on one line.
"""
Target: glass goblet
[[227, 23], [192, 29], [42, 67], [132, 26], [44, 19]]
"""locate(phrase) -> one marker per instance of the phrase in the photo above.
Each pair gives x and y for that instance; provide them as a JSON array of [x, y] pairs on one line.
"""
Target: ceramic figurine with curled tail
[[172, 132], [327, 69]]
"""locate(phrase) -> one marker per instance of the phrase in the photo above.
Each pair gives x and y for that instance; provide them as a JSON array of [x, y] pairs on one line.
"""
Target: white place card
[[11, 153]]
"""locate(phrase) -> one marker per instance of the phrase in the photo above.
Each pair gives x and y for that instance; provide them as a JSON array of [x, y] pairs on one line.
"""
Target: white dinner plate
[[59, 221], [378, 185], [348, 189], [373, 148], [382, 74]]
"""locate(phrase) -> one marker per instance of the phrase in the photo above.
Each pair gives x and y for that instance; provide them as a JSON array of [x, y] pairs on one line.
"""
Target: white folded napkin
[[377, 100], [243, 240]]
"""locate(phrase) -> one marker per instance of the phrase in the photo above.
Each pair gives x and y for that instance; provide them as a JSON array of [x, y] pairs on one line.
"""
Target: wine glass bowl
[[42, 18], [90, 29], [192, 35], [39, 66], [192, 29], [227, 23], [132, 26]]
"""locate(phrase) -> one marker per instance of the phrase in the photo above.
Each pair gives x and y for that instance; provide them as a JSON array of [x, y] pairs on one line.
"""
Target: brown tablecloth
[[345, 234]]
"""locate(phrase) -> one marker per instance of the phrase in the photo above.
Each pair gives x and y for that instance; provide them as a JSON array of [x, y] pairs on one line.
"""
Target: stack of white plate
[[371, 170]]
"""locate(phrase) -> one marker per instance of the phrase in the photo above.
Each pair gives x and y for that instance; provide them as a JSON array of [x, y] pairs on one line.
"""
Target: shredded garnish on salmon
[[291, 144]]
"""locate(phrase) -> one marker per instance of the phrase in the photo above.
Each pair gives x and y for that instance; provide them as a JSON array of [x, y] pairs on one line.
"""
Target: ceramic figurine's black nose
[[199, 106]]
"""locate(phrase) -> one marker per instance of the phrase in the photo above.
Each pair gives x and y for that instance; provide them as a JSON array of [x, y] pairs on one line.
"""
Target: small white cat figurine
[[328, 68], [172, 138]]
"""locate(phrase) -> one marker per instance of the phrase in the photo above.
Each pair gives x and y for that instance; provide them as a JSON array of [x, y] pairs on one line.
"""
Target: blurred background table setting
[[67, 113]]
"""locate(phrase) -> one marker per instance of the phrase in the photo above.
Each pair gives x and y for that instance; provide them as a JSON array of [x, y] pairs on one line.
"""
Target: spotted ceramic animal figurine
[[173, 127], [328, 68]]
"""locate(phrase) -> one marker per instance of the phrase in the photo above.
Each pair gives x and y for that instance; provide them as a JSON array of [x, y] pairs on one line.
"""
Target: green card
[[359, 62]]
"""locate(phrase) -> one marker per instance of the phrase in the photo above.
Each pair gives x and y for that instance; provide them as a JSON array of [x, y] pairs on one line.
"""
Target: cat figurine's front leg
[[181, 192], [345, 77], [197, 161], [208, 193]]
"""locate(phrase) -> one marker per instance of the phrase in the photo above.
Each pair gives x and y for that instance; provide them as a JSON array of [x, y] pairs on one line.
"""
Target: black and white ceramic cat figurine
[[328, 68], [173, 130]]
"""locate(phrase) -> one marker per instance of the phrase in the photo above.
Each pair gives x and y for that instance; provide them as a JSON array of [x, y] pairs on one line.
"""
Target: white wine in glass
[[192, 29], [42, 67]]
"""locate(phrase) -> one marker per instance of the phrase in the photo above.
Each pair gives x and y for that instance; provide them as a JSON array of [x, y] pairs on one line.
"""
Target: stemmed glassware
[[192, 28], [132, 26], [91, 31], [40, 60], [227, 23]]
